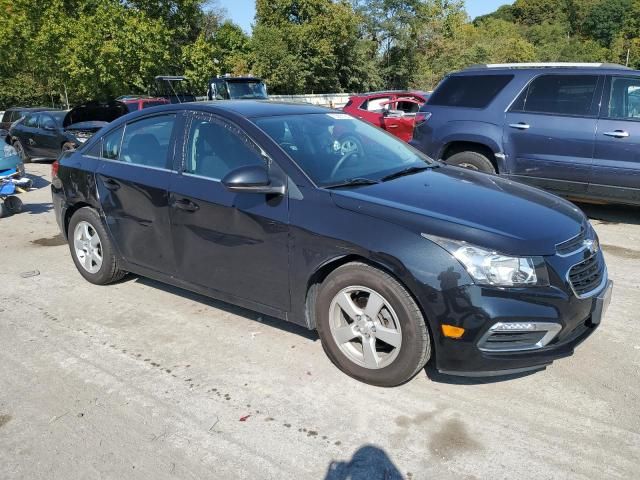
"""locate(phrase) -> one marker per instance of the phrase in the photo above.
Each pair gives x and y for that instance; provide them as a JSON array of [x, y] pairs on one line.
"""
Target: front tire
[[472, 161], [91, 248], [370, 326]]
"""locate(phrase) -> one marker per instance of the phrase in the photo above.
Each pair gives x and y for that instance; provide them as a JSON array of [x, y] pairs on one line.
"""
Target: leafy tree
[[307, 46], [606, 19]]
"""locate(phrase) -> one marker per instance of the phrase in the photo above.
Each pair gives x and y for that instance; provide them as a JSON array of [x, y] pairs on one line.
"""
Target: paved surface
[[140, 380]]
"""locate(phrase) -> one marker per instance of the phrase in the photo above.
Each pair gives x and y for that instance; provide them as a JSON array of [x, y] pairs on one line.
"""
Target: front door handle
[[185, 204], [616, 134], [392, 126], [111, 184], [520, 126]]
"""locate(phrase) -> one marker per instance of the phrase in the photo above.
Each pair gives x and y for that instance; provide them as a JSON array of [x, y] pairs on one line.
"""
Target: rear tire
[[385, 340], [91, 248], [472, 161]]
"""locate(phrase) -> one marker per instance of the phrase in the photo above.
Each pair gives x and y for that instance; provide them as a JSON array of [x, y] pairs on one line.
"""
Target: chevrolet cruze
[[320, 219]]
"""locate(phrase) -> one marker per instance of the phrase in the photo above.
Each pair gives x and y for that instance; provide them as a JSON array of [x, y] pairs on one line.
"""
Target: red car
[[134, 103], [393, 110]]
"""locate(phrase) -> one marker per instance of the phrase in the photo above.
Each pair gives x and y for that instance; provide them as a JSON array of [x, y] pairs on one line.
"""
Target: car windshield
[[246, 89], [335, 148]]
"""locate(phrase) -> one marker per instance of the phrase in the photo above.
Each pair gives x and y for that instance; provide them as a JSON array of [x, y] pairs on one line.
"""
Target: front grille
[[572, 245], [587, 275]]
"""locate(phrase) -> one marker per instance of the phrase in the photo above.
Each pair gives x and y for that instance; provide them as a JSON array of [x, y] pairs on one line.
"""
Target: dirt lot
[[141, 380]]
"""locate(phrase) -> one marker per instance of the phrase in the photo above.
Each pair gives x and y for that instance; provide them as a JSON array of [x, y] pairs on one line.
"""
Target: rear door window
[[469, 91], [146, 142], [624, 98], [31, 120], [111, 144], [559, 95], [377, 104]]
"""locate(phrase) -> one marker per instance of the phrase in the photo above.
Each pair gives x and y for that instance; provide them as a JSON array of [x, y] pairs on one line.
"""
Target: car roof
[[390, 92], [262, 108], [32, 109], [529, 69]]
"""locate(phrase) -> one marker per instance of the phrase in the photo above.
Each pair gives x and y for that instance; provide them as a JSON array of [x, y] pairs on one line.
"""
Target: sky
[[242, 11]]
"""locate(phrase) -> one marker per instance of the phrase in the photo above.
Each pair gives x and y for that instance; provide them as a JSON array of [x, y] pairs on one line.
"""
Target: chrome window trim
[[203, 177], [551, 328], [150, 167]]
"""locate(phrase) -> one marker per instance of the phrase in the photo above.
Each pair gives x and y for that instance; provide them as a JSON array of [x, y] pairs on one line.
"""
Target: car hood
[[95, 111], [482, 209], [92, 126]]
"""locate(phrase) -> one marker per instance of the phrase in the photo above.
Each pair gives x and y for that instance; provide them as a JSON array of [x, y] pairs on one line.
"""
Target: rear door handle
[[520, 126], [185, 204], [111, 184], [617, 134], [31, 141]]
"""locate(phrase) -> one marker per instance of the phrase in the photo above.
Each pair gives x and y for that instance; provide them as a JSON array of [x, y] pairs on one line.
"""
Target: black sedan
[[312, 216], [45, 134]]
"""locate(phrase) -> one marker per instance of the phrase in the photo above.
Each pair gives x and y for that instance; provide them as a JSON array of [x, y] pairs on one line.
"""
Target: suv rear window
[[558, 95], [470, 91]]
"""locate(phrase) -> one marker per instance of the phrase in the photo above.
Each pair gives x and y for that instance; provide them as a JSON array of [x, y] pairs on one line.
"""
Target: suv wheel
[[91, 249], [370, 326], [472, 161]]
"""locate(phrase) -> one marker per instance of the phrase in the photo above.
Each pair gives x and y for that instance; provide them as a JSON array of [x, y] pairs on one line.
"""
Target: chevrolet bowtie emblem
[[591, 244]]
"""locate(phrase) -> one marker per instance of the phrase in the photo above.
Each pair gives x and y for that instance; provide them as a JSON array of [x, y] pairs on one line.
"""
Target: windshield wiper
[[405, 171], [350, 182]]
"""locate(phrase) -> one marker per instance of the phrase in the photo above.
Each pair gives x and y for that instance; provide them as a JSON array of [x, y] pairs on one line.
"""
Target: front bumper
[[477, 309]]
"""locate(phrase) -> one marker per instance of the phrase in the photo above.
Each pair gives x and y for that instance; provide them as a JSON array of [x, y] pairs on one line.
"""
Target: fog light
[[451, 331]]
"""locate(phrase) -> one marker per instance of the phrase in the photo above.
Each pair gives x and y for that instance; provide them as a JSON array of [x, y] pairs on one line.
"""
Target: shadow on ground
[[611, 214], [227, 307], [435, 376], [39, 181], [368, 463]]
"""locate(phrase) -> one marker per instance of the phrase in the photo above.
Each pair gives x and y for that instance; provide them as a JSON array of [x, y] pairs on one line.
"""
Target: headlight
[[488, 267]]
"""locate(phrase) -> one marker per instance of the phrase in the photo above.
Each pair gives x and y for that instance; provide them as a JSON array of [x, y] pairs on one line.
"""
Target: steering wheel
[[341, 162]]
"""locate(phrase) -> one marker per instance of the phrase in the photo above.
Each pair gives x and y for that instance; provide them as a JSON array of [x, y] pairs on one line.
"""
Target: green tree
[[307, 46]]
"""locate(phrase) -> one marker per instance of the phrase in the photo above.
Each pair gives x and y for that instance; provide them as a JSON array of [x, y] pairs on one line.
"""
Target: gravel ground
[[142, 380]]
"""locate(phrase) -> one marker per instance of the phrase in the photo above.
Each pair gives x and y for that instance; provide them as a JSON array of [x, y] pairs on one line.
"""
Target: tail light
[[421, 117], [54, 169]]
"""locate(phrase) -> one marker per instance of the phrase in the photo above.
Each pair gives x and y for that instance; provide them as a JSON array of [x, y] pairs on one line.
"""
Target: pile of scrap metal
[[12, 180]]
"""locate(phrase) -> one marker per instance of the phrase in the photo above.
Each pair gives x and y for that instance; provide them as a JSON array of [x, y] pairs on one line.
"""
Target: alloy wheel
[[87, 246], [365, 327]]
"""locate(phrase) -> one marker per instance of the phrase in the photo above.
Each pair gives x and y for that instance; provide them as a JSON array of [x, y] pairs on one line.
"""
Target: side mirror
[[252, 179]]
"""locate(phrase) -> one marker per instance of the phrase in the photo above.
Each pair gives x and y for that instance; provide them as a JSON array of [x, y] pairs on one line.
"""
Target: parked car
[[135, 103], [174, 88], [393, 110], [45, 134], [13, 114], [10, 160], [379, 250], [573, 129], [226, 87]]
